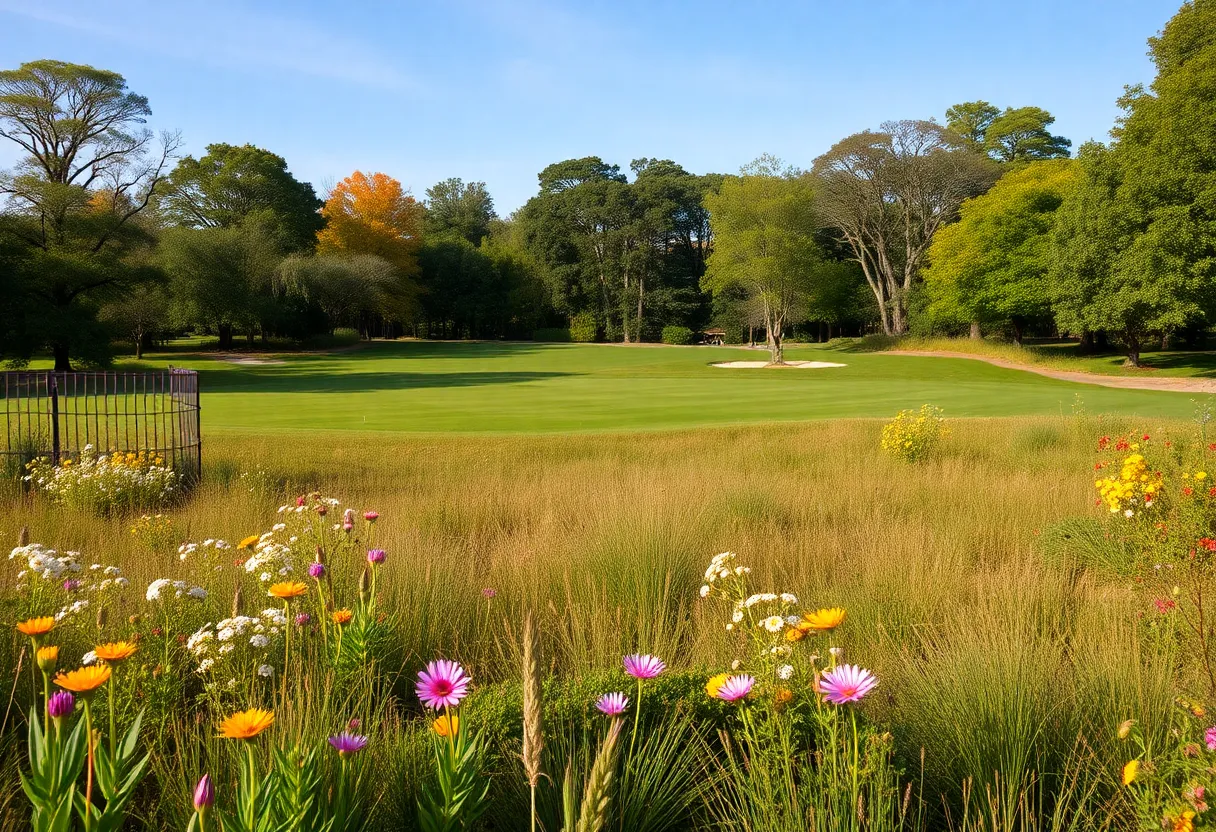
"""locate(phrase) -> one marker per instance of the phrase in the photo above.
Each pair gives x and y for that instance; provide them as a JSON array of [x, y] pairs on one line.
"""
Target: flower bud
[[317, 570], [48, 657], [1125, 728], [60, 705], [204, 795], [376, 556], [364, 584], [236, 602]]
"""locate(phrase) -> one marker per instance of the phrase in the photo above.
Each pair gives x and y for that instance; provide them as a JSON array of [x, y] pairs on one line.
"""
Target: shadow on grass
[[286, 379]]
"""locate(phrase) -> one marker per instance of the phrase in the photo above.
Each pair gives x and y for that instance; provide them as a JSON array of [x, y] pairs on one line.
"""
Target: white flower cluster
[[720, 569], [163, 588], [207, 547], [233, 637], [270, 560], [105, 481], [112, 578], [46, 563]]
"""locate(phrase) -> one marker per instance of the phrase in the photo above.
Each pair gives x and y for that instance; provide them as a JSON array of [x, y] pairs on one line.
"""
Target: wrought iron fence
[[57, 414]]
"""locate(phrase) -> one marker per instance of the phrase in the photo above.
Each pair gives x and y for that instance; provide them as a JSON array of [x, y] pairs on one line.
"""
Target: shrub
[[583, 329], [106, 482], [559, 335], [913, 434], [677, 335]]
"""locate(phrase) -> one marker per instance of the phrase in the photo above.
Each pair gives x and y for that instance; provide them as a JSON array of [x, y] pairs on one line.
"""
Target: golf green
[[557, 388]]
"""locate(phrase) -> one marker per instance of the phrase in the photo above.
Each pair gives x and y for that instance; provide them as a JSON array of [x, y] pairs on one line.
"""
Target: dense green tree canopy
[[465, 210], [1136, 247], [764, 244], [991, 266], [231, 186], [1015, 135], [71, 222]]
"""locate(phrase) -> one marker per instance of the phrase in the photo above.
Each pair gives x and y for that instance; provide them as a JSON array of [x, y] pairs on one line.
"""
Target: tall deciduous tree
[[220, 278], [971, 121], [231, 186], [376, 215], [764, 243], [462, 209], [887, 193], [992, 266], [89, 170], [1136, 251], [350, 289], [1021, 135]]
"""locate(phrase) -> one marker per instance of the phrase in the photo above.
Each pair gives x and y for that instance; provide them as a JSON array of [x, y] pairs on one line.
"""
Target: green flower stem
[[321, 613], [637, 715], [113, 689], [88, 789], [250, 807]]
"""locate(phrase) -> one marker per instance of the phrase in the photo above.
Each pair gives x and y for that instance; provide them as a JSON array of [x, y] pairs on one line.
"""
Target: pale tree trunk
[[774, 323], [641, 294], [976, 334]]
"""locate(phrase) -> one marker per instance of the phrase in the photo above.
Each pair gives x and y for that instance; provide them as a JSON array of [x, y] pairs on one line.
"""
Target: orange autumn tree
[[373, 214]]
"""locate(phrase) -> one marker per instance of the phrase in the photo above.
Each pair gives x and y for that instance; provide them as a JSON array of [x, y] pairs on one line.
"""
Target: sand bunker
[[795, 365]]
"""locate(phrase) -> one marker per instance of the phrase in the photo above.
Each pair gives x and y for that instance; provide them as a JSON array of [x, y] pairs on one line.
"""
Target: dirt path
[[1178, 385]]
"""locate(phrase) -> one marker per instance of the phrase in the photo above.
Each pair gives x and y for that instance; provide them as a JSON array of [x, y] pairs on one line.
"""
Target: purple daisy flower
[[443, 684], [736, 688], [846, 683], [643, 667], [612, 704], [376, 556], [317, 570], [347, 743]]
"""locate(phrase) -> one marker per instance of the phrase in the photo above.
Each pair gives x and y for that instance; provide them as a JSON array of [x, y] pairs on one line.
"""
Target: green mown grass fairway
[[433, 387]]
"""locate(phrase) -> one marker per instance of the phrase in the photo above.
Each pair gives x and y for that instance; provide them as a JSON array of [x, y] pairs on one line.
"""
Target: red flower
[[1187, 490], [1103, 443], [1145, 437], [1122, 445], [1208, 543], [1164, 605]]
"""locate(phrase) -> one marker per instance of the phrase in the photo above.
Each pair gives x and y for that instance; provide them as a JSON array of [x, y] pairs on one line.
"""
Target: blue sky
[[494, 91]]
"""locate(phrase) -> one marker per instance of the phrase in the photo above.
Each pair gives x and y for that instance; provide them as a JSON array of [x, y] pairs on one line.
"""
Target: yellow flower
[[445, 727], [715, 684], [35, 627], [249, 541], [1185, 822], [288, 589], [85, 679], [1130, 770], [341, 617], [795, 633], [245, 725], [825, 619], [1201, 475], [115, 651], [47, 657]]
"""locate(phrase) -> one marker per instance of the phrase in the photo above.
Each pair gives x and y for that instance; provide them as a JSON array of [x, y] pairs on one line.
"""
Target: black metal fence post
[[52, 386]]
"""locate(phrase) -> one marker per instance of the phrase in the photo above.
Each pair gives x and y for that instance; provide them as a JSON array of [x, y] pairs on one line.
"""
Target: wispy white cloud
[[225, 37]]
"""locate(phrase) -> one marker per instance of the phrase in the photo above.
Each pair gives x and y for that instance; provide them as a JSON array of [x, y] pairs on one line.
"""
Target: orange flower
[[445, 727], [341, 617], [796, 633], [782, 696], [288, 589], [825, 619], [35, 627], [249, 541], [245, 725], [115, 651], [84, 680]]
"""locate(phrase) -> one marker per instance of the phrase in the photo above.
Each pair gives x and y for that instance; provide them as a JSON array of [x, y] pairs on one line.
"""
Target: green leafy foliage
[[677, 335]]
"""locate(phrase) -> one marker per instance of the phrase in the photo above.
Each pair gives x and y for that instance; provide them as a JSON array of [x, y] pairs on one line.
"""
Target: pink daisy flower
[[643, 667], [443, 684], [612, 704], [846, 683], [736, 688], [1209, 738]]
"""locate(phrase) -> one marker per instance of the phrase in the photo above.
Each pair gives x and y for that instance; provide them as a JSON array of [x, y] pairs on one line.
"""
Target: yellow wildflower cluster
[[1134, 485], [913, 434]]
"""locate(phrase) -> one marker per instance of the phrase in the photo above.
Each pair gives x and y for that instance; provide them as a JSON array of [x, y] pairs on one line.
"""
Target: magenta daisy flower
[[60, 704], [612, 704], [1209, 737], [846, 683], [347, 743], [376, 556], [736, 688], [443, 684], [643, 667]]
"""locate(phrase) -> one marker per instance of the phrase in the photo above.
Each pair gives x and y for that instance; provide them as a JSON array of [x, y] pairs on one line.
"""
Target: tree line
[[982, 222]]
